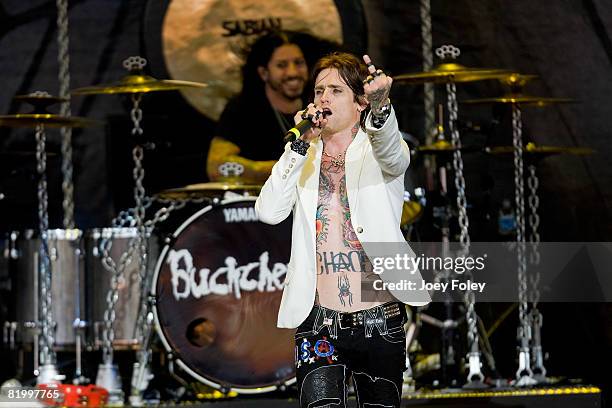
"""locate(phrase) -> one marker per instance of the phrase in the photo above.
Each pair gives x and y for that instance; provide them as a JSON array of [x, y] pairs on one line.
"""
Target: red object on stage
[[74, 395]]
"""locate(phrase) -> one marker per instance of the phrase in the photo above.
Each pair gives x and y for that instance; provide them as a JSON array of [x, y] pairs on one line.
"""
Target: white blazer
[[375, 165]]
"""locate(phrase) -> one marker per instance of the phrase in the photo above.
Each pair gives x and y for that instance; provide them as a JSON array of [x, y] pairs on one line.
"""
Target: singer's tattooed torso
[[341, 261]]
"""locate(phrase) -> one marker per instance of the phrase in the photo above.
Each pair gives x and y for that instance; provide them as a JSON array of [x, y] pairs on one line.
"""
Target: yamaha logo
[[242, 214]]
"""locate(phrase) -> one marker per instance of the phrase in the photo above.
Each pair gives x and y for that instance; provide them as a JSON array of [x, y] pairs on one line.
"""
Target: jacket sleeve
[[388, 147], [278, 194]]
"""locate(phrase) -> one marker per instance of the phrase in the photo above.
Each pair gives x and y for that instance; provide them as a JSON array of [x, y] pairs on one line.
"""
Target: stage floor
[[560, 397]]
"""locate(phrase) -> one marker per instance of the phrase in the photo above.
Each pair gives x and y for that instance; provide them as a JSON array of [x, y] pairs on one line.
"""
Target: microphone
[[298, 130]]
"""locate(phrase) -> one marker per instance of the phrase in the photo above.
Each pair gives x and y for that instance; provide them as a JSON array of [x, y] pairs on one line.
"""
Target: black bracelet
[[299, 146], [379, 118]]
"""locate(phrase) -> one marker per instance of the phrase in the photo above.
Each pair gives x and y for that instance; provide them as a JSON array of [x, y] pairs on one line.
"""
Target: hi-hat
[[49, 120], [533, 149], [40, 100], [523, 100], [138, 83], [450, 71], [208, 190]]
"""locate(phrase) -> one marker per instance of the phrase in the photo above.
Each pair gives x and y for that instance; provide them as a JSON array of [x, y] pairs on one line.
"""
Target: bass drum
[[217, 287]]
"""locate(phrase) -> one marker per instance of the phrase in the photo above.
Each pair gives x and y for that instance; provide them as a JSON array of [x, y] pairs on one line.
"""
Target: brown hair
[[352, 71]]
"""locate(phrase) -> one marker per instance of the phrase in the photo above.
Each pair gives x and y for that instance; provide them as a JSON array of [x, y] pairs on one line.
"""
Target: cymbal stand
[[475, 377], [63, 58], [524, 374], [108, 373], [47, 370], [108, 376], [537, 354], [140, 374]]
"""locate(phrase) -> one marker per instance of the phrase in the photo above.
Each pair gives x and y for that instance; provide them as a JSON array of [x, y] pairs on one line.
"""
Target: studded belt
[[361, 317]]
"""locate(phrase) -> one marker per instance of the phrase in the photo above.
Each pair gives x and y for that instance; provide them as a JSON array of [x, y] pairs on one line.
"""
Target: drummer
[[251, 128]]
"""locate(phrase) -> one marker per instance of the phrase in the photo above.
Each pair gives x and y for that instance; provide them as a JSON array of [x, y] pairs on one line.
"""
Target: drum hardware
[[239, 344], [209, 190], [79, 329], [533, 151], [108, 378], [517, 98], [136, 84], [527, 284], [39, 119], [8, 334], [449, 73]]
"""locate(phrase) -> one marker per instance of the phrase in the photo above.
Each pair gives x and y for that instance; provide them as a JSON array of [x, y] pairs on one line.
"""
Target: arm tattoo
[[377, 99]]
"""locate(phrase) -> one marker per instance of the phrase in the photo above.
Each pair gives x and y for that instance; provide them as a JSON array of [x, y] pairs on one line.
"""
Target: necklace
[[337, 160]]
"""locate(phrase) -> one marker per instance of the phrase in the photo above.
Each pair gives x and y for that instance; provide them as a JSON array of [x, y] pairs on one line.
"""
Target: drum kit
[[531, 370], [211, 288]]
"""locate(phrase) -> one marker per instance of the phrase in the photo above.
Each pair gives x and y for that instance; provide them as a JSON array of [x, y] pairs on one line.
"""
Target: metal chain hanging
[[534, 236], [47, 323], [429, 99], [63, 58], [117, 274], [475, 377], [539, 371], [126, 219], [524, 375]]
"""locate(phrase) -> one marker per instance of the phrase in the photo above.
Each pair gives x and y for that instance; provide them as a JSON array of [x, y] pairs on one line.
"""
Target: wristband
[[299, 146]]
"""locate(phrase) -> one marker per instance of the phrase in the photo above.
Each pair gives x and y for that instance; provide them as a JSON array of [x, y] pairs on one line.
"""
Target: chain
[[475, 375], [44, 264], [429, 99], [517, 127], [534, 235], [63, 58], [536, 318], [524, 374], [464, 223]]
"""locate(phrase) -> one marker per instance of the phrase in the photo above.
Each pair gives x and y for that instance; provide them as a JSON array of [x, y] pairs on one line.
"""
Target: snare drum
[[217, 288], [67, 283], [99, 283]]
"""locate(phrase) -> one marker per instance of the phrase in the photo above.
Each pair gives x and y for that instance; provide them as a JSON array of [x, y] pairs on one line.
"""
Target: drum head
[[218, 286]]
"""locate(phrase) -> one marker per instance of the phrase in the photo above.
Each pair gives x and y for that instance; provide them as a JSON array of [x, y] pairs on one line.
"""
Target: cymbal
[[521, 100], [438, 147], [532, 149], [449, 70], [137, 83], [208, 190], [49, 120], [517, 81]]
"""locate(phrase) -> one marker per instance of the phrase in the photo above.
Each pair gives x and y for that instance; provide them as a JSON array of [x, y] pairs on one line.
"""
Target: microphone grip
[[298, 130]]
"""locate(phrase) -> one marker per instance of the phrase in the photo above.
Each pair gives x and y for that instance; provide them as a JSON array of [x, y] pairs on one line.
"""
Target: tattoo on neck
[[355, 129]]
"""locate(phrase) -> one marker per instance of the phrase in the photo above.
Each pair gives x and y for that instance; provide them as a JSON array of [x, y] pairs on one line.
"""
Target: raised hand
[[376, 86]]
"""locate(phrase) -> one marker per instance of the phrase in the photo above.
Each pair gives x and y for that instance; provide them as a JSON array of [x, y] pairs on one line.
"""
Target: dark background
[[566, 42]]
